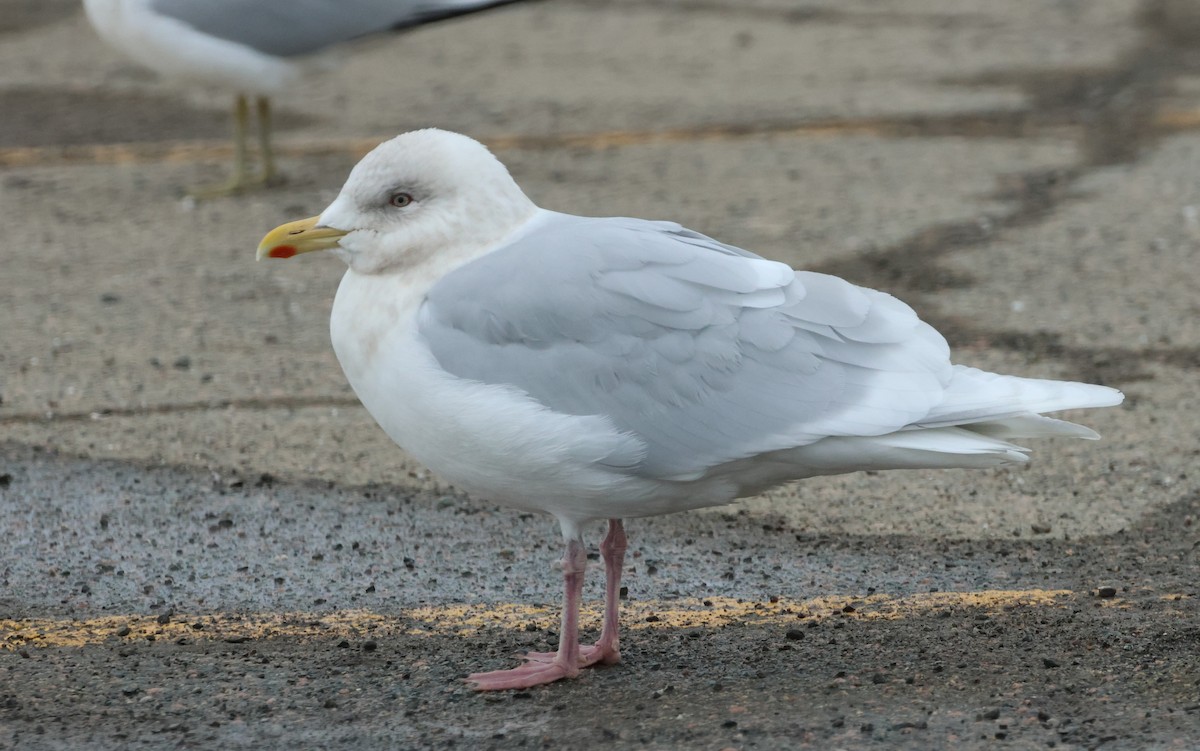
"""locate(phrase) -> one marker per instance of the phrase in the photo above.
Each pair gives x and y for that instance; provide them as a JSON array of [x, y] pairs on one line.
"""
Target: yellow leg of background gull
[[241, 180], [267, 176]]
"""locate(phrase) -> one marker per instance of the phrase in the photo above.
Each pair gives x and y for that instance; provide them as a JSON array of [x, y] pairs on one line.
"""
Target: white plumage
[[617, 368]]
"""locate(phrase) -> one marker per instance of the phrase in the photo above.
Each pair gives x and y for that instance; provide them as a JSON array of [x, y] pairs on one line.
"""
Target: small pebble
[[922, 725]]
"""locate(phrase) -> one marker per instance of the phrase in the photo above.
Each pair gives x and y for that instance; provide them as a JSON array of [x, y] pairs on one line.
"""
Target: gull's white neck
[[418, 271], [373, 307]]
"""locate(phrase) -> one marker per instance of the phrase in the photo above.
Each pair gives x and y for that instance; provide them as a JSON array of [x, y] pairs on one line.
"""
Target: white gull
[[608, 368], [259, 48]]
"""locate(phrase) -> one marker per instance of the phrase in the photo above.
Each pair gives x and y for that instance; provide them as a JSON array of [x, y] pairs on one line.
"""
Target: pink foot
[[527, 676], [588, 656], [546, 667]]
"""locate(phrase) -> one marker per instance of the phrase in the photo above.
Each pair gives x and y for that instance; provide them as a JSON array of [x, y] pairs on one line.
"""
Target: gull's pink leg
[[566, 662], [606, 650]]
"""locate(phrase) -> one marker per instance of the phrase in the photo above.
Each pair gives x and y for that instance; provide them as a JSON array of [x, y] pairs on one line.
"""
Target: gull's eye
[[400, 200]]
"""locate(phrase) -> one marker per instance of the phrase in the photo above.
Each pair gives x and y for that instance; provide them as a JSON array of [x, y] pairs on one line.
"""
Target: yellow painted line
[[165, 152], [459, 620], [1178, 119], [725, 611], [71, 632], [181, 152], [174, 152]]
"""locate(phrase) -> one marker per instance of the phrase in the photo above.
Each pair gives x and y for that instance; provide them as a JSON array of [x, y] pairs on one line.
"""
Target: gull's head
[[418, 195]]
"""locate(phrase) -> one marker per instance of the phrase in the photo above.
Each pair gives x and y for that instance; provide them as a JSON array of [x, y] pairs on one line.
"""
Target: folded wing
[[706, 353]]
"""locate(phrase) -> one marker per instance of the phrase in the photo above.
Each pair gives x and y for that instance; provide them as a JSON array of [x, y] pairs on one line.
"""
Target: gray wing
[[287, 28], [704, 352]]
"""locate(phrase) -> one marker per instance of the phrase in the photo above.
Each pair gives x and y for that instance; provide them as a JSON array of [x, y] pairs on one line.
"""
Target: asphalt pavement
[[205, 542]]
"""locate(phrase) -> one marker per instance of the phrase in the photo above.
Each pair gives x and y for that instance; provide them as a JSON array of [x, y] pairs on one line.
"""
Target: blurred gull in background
[[257, 48]]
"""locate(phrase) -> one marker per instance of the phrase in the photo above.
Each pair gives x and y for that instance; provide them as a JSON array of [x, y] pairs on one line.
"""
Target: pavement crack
[[1117, 117], [254, 403]]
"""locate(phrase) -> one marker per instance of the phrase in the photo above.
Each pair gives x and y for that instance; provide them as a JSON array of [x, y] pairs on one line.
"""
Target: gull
[[257, 48], [610, 368]]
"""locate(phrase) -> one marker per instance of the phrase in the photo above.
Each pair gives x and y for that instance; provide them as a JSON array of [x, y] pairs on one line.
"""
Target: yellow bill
[[294, 238]]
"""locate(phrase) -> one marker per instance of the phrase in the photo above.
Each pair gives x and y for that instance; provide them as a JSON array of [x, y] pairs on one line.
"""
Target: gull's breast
[[491, 440]]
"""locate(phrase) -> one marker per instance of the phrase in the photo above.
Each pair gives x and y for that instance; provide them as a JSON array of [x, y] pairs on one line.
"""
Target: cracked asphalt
[[206, 543]]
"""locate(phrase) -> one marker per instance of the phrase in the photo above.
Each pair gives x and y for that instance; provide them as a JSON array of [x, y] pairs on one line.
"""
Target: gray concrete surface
[[206, 543]]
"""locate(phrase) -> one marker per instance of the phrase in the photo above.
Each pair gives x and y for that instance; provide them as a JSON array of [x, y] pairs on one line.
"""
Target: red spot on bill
[[282, 251]]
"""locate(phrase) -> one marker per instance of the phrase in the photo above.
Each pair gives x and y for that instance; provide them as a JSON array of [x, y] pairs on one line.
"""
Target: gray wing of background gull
[[289, 28], [705, 352]]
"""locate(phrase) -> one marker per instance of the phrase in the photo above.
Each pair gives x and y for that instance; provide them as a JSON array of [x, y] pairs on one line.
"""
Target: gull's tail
[[1010, 407], [973, 427]]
